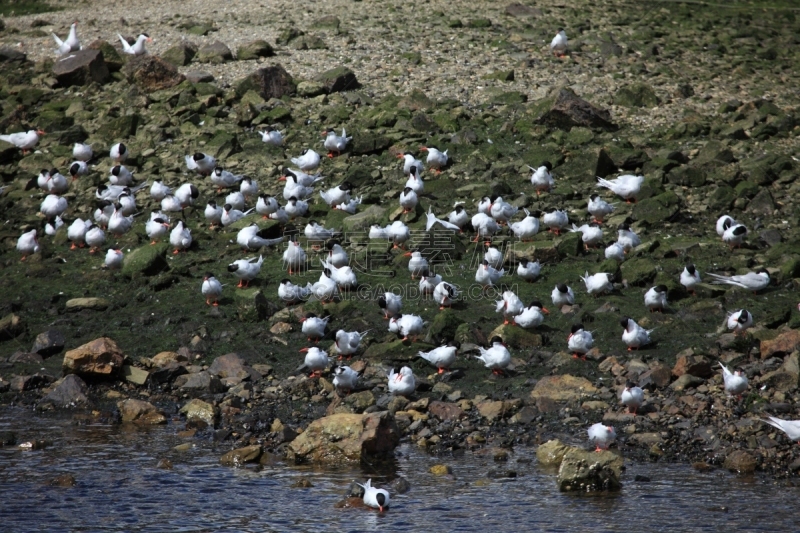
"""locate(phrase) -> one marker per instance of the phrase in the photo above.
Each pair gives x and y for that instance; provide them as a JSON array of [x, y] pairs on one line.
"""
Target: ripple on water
[[119, 488]]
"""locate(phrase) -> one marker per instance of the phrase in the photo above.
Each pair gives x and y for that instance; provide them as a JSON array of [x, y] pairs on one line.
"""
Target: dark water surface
[[119, 488]]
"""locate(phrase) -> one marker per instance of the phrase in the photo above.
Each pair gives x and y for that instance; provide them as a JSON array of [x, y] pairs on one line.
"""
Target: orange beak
[[149, 39], [423, 148], [400, 156], [41, 132], [282, 178], [407, 254], [304, 350], [544, 310], [570, 336]]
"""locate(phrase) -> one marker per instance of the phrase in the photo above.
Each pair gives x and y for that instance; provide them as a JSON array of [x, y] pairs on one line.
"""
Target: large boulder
[[199, 410], [346, 437], [70, 392], [551, 453], [81, 68], [151, 73], [181, 54], [48, 343], [216, 52], [98, 358], [268, 82], [563, 388], [232, 366], [111, 57], [566, 110], [586, 471], [254, 50], [338, 79]]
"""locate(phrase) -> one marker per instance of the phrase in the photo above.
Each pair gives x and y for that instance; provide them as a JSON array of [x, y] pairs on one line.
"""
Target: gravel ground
[[373, 38]]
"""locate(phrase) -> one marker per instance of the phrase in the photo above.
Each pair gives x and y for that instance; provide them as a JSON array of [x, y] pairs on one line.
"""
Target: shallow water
[[119, 488]]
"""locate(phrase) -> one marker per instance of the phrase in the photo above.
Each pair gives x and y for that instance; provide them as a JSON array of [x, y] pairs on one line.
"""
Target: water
[[119, 488]]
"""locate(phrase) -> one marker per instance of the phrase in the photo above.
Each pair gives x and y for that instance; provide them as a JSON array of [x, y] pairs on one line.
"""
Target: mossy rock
[[367, 142], [119, 128], [517, 337], [570, 245], [254, 50], [395, 351], [252, 305], [479, 23], [146, 260], [658, 208], [746, 189], [639, 271], [443, 327], [636, 95], [180, 55], [721, 198], [690, 176], [52, 120]]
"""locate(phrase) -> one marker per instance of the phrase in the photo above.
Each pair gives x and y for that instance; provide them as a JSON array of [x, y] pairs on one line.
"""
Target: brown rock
[[140, 412], [239, 456], [446, 411], [659, 376], [81, 68], [694, 365], [98, 358], [586, 471], [232, 366], [493, 410], [551, 453], [151, 73], [568, 110], [786, 342], [11, 325], [346, 437], [522, 11], [563, 388], [268, 82], [69, 393], [281, 328], [741, 462], [162, 359]]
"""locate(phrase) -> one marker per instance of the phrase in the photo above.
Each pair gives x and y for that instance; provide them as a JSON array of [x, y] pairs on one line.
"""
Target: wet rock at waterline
[[345, 437], [99, 358], [589, 471]]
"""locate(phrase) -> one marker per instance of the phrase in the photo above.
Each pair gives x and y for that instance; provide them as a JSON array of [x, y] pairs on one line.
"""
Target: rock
[[696, 365], [151, 73], [516, 337], [140, 412], [310, 89], [10, 55], [740, 462], [446, 411], [328, 22], [199, 76], [48, 343], [215, 53], [522, 11], [254, 50], [551, 453], [441, 470], [307, 42], [64, 480], [7, 438], [232, 366], [95, 304], [240, 456], [346, 437], [98, 358], [197, 409], [785, 343], [181, 54], [338, 79], [110, 55], [359, 401], [25, 358], [167, 373], [11, 325], [81, 68], [268, 82], [135, 375], [563, 388], [204, 382], [567, 110], [36, 381], [586, 471], [636, 95], [70, 392], [124, 126], [491, 411], [363, 220], [162, 359], [686, 381], [638, 271], [443, 327], [659, 377], [657, 209]]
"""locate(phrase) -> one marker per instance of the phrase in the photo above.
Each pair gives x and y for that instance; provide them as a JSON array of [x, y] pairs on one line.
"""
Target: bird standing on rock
[[406, 325], [308, 160], [70, 44], [559, 43], [137, 48], [496, 357], [735, 382], [740, 321], [690, 277], [627, 186], [442, 357], [180, 238], [633, 335], [335, 143], [402, 383], [316, 361], [345, 378], [541, 179], [656, 298], [25, 141], [602, 436], [314, 326], [632, 397], [436, 160]]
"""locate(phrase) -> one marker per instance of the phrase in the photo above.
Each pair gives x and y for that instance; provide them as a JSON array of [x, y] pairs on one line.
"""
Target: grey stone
[[48, 343], [215, 53], [81, 68], [71, 392], [585, 471], [268, 82], [338, 79], [203, 382], [566, 110], [181, 54], [254, 50]]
